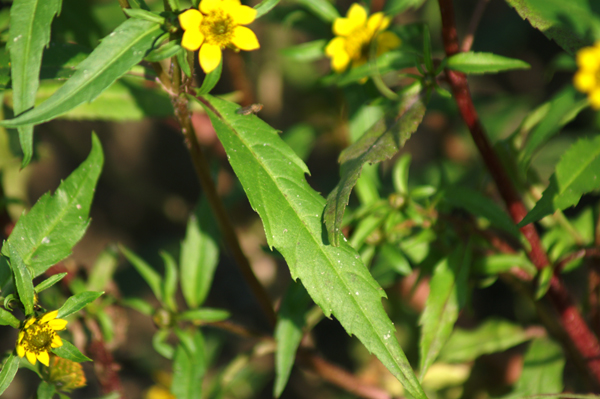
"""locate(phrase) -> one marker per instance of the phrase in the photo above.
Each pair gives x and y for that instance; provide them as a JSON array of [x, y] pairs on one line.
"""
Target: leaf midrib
[[27, 58], [581, 169]]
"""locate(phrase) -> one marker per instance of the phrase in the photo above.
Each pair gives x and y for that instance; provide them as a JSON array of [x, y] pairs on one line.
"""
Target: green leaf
[[115, 55], [379, 143], [146, 271], [448, 289], [556, 113], [23, 278], [305, 52], [565, 22], [138, 304], [273, 179], [494, 335], [210, 80], [199, 255], [160, 345], [29, 33], [77, 302], [183, 58], [103, 270], [45, 390], [387, 62], [167, 51], [7, 319], [264, 7], [9, 370], [70, 352], [502, 263], [145, 15], [395, 7], [189, 365], [322, 9], [49, 282], [478, 204], [46, 234], [169, 286], [543, 285], [207, 315], [576, 174], [288, 333], [479, 63], [400, 174], [542, 370]]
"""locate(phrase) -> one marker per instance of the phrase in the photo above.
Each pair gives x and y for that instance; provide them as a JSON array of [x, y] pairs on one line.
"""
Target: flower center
[[39, 339], [218, 28], [358, 43]]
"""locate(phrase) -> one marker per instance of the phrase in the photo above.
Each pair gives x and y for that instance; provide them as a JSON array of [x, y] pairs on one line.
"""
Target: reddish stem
[[580, 336]]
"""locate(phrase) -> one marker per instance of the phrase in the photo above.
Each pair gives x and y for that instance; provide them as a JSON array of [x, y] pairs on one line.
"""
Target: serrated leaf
[[115, 55], [565, 22], [169, 286], [478, 63], [70, 352], [9, 370], [199, 255], [542, 370], [273, 179], [494, 335], [448, 288], [379, 143], [49, 282], [208, 315], [46, 234], [322, 9], [77, 302], [288, 333], [146, 271], [23, 278], [577, 173], [29, 33], [7, 319], [478, 204], [189, 365]]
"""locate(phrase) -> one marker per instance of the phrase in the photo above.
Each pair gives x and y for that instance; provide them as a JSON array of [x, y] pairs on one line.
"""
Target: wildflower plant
[[493, 210]]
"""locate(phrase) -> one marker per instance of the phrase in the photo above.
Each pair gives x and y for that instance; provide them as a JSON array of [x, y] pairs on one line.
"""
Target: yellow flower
[[587, 78], [64, 374], [216, 26], [354, 35], [39, 336]]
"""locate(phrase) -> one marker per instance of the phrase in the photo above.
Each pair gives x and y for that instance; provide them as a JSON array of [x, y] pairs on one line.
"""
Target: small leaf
[[70, 352], [77, 302], [139, 304], [479, 63], [184, 60], [447, 296], [207, 315], [46, 234], [199, 255], [166, 51], [322, 9], [146, 271], [189, 365], [161, 346], [145, 15], [379, 143], [264, 7], [7, 319], [502, 263], [305, 52], [23, 279], [49, 282], [576, 174], [288, 333], [400, 174], [45, 390], [542, 370], [103, 270], [9, 370], [395, 7], [210, 80], [115, 55], [544, 277], [494, 335], [170, 281]]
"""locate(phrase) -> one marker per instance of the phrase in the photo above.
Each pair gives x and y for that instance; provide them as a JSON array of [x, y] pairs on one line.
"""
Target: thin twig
[[475, 19], [580, 336]]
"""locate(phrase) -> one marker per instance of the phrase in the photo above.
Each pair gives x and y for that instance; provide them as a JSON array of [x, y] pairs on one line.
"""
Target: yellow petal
[[588, 58], [210, 57], [192, 40], [20, 350], [356, 18], [387, 41], [206, 6], [57, 324], [336, 45], [48, 316], [244, 39], [21, 335], [190, 19], [340, 62], [594, 98], [29, 323], [56, 342], [31, 357], [584, 81], [242, 15], [44, 358], [377, 22]]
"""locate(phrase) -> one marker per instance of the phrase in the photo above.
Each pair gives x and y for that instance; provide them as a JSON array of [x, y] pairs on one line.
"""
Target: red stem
[[579, 334]]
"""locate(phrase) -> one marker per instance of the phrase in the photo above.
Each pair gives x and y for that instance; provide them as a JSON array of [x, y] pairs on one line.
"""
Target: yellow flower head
[[64, 374], [587, 78], [354, 35], [39, 336], [216, 26]]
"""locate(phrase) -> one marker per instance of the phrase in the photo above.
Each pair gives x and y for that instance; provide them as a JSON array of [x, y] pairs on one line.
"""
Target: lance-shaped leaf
[[273, 177], [577, 173], [23, 278], [9, 370], [115, 55], [448, 288], [479, 63], [70, 352], [29, 33], [46, 234], [379, 143], [189, 365], [77, 302]]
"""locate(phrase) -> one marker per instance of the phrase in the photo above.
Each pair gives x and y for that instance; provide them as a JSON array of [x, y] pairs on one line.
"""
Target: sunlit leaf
[[479, 63], [77, 302], [70, 352]]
